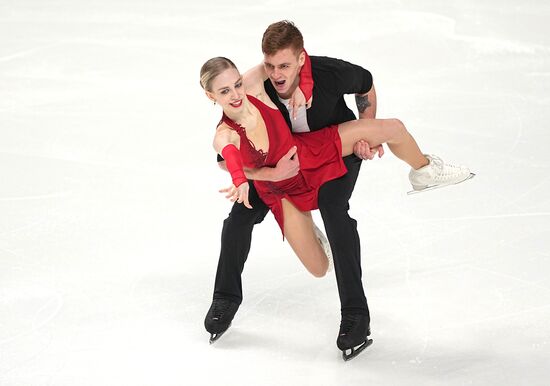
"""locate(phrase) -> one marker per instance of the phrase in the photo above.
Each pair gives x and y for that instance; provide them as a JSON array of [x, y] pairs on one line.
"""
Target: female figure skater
[[253, 133]]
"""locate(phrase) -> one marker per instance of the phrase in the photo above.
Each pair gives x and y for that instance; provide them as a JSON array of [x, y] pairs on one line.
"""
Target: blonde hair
[[212, 68]]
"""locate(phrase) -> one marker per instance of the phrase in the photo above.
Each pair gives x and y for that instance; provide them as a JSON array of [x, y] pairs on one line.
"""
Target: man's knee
[[337, 220], [333, 204], [335, 194]]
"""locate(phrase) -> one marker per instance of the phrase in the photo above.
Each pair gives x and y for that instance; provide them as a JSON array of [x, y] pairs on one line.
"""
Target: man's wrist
[[251, 174]]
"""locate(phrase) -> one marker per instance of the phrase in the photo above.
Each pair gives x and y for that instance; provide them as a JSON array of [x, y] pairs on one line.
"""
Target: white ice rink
[[110, 217]]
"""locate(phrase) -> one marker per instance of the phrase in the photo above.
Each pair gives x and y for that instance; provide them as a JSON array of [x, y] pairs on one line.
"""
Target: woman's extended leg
[[379, 131], [427, 171], [299, 231]]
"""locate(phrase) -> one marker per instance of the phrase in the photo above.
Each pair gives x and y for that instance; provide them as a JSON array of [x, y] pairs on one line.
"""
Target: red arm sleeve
[[306, 78], [234, 164]]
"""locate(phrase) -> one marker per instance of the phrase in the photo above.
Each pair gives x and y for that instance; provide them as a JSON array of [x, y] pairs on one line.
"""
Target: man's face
[[283, 69]]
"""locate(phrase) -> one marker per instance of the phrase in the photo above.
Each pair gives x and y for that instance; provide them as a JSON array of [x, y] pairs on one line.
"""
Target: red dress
[[319, 153]]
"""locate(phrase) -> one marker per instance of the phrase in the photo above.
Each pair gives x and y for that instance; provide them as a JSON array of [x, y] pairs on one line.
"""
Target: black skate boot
[[219, 317], [353, 335]]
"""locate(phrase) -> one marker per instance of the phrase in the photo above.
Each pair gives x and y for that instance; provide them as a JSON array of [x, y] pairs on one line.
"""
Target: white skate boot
[[437, 174], [326, 246]]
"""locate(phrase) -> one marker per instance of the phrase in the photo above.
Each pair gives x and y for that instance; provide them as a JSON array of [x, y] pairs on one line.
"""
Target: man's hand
[[287, 167], [239, 194], [363, 150]]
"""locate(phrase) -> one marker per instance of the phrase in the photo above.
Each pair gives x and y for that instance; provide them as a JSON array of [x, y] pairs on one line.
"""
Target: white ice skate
[[326, 246], [437, 174]]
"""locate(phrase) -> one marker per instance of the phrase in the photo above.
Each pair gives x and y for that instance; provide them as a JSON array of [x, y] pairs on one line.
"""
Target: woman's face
[[228, 90]]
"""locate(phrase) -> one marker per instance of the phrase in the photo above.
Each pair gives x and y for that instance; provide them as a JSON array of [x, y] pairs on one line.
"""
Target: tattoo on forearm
[[362, 102]]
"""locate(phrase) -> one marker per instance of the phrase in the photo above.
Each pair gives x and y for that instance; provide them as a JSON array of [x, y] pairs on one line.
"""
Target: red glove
[[234, 163]]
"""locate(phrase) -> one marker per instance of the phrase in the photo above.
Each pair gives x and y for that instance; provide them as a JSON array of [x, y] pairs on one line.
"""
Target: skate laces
[[436, 162], [444, 171]]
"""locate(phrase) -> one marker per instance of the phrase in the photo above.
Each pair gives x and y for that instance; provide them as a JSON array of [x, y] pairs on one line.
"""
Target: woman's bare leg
[[379, 131], [301, 237]]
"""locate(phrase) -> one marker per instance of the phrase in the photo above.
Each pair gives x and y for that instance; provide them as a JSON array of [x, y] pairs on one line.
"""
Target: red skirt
[[320, 156]]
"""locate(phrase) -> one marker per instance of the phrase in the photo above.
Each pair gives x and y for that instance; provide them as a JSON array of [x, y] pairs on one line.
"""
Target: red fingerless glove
[[234, 163], [306, 78]]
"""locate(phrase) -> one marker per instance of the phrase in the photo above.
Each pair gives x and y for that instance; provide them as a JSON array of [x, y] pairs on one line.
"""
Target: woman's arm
[[223, 137], [225, 143]]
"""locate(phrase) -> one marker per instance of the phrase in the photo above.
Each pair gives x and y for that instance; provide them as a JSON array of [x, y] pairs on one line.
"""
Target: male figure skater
[[282, 45]]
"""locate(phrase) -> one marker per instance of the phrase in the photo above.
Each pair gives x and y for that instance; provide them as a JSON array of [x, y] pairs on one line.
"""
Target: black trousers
[[341, 231]]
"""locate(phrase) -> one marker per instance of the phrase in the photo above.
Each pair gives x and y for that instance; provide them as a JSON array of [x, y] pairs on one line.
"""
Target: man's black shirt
[[333, 78]]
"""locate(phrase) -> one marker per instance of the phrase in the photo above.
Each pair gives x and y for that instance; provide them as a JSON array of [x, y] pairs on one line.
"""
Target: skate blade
[[472, 175], [215, 337], [353, 352]]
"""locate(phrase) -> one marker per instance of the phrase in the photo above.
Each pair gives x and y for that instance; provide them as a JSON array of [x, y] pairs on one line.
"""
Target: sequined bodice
[[279, 136], [256, 156]]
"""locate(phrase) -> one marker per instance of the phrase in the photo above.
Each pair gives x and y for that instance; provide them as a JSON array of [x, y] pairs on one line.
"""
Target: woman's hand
[[298, 100], [239, 194]]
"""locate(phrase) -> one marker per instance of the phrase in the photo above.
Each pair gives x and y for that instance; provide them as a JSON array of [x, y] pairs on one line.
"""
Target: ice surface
[[110, 217]]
